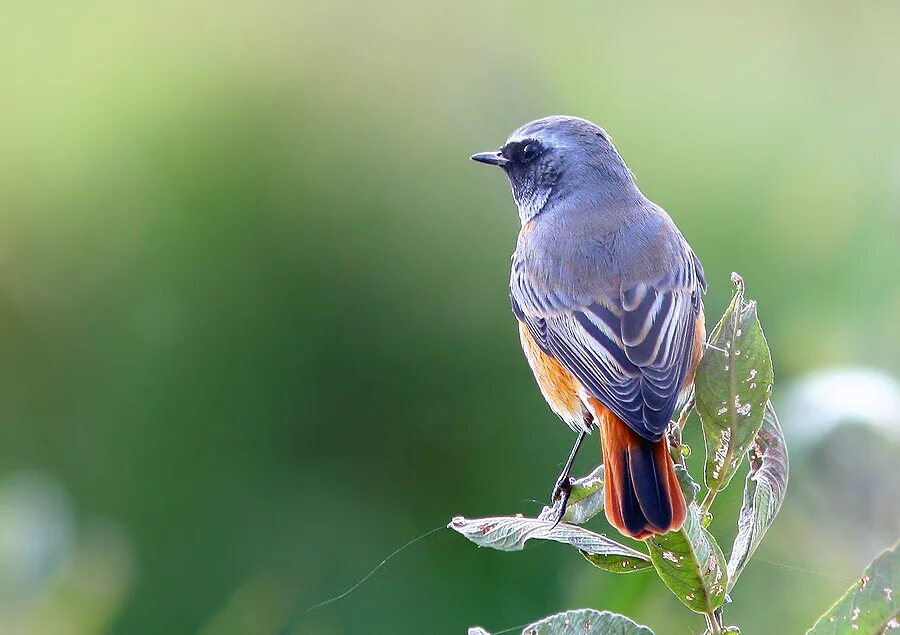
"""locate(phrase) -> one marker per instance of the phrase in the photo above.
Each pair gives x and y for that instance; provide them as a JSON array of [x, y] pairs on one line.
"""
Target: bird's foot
[[559, 497]]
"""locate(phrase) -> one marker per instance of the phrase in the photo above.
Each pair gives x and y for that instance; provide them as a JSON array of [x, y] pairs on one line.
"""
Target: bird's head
[[560, 160]]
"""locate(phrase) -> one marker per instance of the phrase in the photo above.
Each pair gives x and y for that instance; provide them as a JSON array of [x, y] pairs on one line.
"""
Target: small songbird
[[607, 293]]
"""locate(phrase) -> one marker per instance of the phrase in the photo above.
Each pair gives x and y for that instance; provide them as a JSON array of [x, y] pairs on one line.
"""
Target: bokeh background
[[254, 332]]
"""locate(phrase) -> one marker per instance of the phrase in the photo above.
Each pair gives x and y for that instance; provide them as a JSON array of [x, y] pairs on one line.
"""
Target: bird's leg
[[563, 487]]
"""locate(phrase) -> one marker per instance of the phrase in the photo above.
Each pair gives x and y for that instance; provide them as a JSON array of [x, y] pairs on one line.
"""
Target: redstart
[[607, 293]]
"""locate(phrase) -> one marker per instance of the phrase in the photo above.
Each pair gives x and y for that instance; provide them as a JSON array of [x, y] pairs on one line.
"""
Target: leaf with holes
[[580, 622], [871, 606], [764, 492], [585, 502], [617, 564], [510, 533], [732, 385], [689, 560]]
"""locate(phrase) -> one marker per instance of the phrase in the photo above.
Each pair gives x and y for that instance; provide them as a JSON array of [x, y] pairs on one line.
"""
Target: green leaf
[[510, 533], [617, 564], [871, 606], [733, 383], [691, 564], [687, 483], [580, 622], [585, 500], [763, 492]]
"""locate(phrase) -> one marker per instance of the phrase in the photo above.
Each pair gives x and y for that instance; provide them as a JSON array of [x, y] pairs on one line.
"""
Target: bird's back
[[578, 255]]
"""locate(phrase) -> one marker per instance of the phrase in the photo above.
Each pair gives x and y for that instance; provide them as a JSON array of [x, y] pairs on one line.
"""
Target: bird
[[608, 297]]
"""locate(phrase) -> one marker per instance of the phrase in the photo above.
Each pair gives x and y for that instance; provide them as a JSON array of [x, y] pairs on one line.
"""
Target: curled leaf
[[733, 382], [510, 533], [764, 492], [585, 500], [688, 485]]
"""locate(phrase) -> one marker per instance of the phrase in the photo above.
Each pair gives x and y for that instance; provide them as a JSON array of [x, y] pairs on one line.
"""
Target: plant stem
[[708, 501], [712, 624], [686, 411], [675, 428]]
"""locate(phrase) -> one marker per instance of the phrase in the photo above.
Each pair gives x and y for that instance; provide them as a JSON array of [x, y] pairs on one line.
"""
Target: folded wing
[[632, 351]]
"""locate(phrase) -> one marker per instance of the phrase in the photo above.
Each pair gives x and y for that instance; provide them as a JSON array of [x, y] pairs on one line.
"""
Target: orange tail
[[642, 495]]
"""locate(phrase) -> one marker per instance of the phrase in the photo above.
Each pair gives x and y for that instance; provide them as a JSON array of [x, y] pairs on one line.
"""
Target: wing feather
[[632, 352]]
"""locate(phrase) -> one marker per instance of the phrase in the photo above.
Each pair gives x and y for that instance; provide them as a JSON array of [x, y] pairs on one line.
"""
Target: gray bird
[[607, 293]]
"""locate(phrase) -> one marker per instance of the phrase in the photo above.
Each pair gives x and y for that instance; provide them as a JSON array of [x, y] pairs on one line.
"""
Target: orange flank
[[558, 385], [697, 353]]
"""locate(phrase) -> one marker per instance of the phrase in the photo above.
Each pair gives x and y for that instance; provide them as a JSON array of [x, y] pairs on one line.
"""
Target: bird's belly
[[558, 385]]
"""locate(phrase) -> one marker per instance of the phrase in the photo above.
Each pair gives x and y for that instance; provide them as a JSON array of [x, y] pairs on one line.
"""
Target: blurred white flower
[[35, 532], [57, 576], [817, 403]]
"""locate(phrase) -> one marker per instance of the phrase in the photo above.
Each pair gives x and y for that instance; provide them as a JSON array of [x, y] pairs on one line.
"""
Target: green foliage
[[733, 383], [689, 561], [618, 565], [871, 606], [691, 564], [732, 388], [764, 492], [510, 533], [585, 500], [581, 622]]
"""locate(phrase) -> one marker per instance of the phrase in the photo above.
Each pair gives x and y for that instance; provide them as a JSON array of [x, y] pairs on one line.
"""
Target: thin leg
[[563, 487]]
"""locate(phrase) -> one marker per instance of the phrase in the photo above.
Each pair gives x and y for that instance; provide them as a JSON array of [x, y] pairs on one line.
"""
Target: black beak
[[491, 158]]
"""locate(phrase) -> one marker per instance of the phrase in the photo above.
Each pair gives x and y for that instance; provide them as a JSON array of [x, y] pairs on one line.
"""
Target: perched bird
[[607, 293]]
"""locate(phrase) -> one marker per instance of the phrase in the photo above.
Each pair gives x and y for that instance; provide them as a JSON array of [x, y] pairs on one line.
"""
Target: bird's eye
[[528, 152]]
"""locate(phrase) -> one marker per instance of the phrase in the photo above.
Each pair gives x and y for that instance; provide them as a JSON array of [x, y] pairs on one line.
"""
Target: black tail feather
[[651, 488]]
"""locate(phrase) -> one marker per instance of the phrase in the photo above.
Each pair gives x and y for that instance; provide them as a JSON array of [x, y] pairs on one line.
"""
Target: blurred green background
[[254, 332]]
